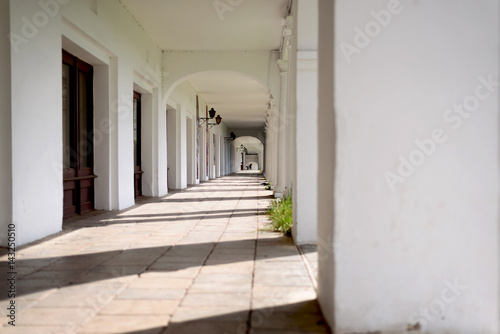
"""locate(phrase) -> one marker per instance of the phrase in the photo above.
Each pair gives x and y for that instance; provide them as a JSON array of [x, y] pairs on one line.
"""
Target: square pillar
[[36, 121], [5, 125], [408, 180], [305, 190]]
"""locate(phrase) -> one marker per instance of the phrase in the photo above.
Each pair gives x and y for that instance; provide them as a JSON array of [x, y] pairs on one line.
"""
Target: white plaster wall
[[398, 252], [116, 31], [36, 125], [5, 125], [104, 34]]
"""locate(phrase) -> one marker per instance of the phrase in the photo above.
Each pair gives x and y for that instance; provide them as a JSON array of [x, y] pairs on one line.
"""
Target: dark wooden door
[[78, 155], [137, 146]]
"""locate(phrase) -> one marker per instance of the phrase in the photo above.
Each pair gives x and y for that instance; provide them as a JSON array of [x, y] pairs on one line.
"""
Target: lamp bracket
[[202, 121], [211, 125]]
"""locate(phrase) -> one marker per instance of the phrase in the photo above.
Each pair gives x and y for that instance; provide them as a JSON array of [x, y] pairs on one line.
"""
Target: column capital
[[270, 105], [283, 65]]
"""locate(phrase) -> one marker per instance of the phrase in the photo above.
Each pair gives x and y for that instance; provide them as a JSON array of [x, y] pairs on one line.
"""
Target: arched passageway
[[248, 150], [198, 148]]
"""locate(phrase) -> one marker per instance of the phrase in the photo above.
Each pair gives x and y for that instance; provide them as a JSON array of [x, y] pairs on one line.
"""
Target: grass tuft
[[280, 212]]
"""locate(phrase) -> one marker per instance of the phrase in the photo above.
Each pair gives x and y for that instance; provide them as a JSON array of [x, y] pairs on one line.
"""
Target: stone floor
[[196, 261]]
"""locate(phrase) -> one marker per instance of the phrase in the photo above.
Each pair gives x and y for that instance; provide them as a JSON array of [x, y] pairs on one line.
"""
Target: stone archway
[[248, 150]]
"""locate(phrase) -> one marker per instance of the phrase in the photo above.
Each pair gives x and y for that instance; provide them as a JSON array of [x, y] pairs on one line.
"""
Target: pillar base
[[278, 192]]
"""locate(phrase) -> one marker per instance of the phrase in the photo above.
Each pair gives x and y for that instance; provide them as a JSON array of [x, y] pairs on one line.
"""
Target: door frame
[[78, 181]]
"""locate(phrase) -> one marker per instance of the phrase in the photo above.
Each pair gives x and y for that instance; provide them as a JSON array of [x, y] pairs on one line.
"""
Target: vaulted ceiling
[[218, 25]]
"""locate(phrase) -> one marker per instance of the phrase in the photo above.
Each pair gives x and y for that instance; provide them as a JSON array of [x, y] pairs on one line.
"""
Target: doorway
[[137, 146], [78, 135]]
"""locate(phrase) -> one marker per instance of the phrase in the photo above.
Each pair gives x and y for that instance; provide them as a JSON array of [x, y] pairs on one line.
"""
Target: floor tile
[[194, 261]]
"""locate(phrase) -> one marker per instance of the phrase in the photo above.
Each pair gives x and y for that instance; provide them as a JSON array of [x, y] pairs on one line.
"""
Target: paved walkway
[[195, 261]]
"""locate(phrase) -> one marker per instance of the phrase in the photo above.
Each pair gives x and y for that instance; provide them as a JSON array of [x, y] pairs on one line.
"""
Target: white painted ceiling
[[238, 25], [242, 102], [197, 25]]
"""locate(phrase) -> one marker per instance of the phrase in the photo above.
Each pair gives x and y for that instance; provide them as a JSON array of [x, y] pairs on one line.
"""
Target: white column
[[326, 137], [190, 147], [177, 157], [122, 155], [181, 172], [161, 127], [171, 147], [159, 180], [291, 115], [305, 190], [304, 98], [411, 201], [228, 158], [211, 164], [217, 156], [273, 147], [36, 123], [106, 119], [149, 142], [222, 146], [202, 135], [281, 129], [269, 146]]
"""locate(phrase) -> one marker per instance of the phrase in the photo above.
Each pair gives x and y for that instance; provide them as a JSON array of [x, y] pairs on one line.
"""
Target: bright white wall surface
[[424, 89], [304, 102], [125, 88], [149, 140], [103, 34], [305, 186], [327, 136], [5, 125], [36, 123]]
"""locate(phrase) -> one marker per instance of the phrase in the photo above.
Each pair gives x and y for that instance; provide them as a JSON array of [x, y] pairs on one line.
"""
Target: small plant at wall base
[[280, 213]]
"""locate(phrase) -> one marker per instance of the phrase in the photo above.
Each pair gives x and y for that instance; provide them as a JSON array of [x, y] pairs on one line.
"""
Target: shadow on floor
[[45, 273], [303, 317]]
